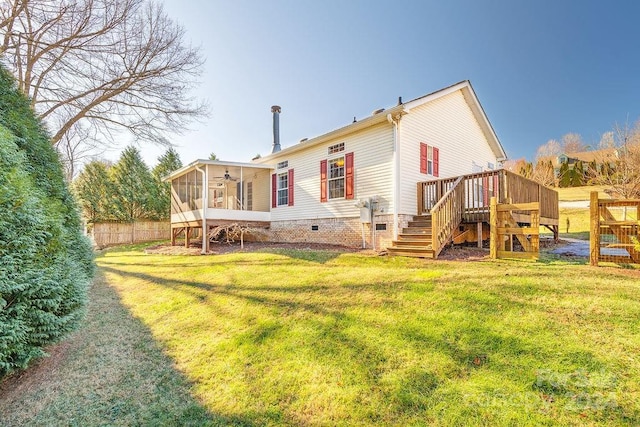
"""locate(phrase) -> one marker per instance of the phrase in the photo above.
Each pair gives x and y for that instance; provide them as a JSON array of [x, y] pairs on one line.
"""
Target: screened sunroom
[[219, 192]]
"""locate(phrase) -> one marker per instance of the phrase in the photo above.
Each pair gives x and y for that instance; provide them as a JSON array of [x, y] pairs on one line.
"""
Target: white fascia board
[[485, 124], [435, 95], [337, 133]]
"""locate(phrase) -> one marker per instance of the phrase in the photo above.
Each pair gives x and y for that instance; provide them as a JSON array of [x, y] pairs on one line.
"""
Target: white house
[[315, 191]]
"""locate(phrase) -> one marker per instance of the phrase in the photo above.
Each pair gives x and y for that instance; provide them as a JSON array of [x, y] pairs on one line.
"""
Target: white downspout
[[205, 188], [396, 173]]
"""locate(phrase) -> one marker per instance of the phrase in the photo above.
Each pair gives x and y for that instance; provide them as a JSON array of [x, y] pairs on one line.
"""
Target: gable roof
[[404, 108]]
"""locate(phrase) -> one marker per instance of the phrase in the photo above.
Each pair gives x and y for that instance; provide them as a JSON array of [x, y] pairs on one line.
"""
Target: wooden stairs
[[415, 240]]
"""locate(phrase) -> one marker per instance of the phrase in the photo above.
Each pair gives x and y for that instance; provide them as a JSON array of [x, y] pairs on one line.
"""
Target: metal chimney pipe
[[276, 128]]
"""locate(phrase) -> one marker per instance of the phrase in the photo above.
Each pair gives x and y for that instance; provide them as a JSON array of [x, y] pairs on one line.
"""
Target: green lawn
[[581, 193], [110, 372], [291, 337], [578, 223]]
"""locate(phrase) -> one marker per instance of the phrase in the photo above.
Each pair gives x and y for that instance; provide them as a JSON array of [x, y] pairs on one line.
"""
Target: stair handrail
[[446, 216]]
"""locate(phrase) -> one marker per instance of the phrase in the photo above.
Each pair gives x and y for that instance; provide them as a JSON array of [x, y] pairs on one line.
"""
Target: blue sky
[[541, 69]]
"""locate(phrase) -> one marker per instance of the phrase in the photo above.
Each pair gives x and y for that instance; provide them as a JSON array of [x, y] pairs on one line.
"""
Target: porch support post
[[241, 190], [594, 232], [187, 230], [479, 229]]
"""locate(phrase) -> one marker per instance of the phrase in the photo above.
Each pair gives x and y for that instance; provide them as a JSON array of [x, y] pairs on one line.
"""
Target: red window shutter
[[274, 190], [423, 157], [323, 180], [349, 184], [436, 162], [290, 187]]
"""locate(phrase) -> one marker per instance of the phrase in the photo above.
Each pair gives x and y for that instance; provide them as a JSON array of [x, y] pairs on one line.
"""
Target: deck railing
[[446, 215], [472, 199], [481, 186]]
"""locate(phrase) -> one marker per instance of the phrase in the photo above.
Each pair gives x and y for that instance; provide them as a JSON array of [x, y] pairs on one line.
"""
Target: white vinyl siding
[[448, 124], [261, 191], [372, 148]]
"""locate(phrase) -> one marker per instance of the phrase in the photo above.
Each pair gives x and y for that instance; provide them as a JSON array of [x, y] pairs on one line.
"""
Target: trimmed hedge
[[46, 263]]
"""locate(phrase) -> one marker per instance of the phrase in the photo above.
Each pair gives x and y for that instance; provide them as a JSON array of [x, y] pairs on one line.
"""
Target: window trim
[[282, 189], [339, 178], [335, 148], [429, 159]]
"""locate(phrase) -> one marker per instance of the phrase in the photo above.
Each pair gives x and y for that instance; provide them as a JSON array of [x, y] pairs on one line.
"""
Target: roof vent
[[378, 111], [303, 140]]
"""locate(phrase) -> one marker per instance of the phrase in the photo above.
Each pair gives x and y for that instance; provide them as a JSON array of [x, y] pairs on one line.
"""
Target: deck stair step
[[416, 230], [421, 224], [414, 237], [410, 252], [412, 243], [415, 240]]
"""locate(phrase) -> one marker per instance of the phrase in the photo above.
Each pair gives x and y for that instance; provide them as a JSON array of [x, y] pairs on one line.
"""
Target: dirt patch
[[225, 248], [18, 383], [455, 253], [464, 253]]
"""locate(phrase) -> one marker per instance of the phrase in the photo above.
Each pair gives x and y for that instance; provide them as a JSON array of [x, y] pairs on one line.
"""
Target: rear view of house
[[358, 185]]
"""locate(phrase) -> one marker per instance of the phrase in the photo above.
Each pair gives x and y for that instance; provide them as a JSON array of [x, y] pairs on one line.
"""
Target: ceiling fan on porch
[[226, 177]]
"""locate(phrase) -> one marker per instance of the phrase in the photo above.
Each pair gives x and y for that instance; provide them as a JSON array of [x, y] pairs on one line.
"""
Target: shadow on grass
[[364, 343], [251, 293], [111, 371]]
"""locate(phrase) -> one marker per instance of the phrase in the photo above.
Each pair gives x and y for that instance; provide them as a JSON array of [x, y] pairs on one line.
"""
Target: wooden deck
[[464, 201]]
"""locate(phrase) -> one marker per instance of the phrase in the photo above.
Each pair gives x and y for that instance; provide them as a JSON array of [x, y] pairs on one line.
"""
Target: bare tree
[[622, 172], [607, 140], [544, 173], [514, 165], [551, 148], [103, 66], [572, 143], [8, 15], [76, 146]]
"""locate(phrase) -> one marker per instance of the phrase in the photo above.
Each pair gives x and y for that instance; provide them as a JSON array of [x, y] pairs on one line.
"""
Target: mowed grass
[[291, 337], [579, 221], [579, 225], [581, 193], [110, 372]]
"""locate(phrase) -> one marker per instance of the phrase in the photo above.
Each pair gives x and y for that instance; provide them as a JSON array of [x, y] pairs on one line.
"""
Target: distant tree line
[[127, 190], [620, 170]]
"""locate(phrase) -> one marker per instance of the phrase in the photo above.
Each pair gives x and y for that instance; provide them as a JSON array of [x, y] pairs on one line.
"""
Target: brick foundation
[[335, 231]]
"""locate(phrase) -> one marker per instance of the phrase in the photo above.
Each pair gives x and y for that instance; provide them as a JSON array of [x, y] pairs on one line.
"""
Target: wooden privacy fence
[[504, 227], [119, 233], [615, 230]]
